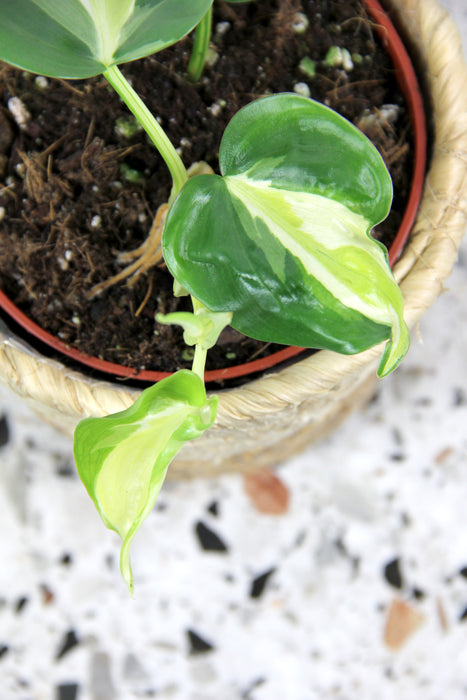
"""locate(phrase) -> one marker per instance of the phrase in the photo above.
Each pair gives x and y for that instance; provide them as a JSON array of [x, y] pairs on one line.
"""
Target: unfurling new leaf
[[200, 328], [122, 459]]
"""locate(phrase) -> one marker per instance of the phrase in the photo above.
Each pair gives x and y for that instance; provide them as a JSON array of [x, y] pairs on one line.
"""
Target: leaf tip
[[125, 567], [395, 350]]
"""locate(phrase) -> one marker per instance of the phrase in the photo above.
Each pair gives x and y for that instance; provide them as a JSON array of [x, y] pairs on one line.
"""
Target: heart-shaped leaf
[[82, 38], [122, 459], [283, 240]]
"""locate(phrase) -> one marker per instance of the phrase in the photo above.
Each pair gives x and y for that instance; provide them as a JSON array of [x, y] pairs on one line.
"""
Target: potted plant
[[258, 177], [32, 178]]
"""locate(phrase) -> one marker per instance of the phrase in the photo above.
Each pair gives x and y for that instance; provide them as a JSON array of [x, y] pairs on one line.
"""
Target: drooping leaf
[[283, 240], [82, 38], [122, 458]]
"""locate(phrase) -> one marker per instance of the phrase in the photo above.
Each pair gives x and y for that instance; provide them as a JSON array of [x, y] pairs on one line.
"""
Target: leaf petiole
[[199, 360], [200, 47], [151, 126]]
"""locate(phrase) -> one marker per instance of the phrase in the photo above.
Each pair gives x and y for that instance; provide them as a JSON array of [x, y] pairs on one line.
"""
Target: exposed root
[[149, 253], [146, 297]]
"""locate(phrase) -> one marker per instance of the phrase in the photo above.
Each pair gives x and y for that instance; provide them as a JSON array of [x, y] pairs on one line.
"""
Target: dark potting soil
[[78, 183]]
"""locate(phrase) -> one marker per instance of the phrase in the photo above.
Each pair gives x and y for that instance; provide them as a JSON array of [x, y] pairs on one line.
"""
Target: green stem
[[199, 361], [200, 47], [151, 127]]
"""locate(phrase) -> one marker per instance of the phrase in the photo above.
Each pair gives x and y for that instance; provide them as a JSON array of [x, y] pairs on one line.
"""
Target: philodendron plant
[[277, 245]]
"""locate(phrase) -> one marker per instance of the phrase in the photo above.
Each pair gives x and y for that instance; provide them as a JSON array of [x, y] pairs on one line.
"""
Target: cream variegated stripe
[[114, 31], [109, 17], [108, 21], [120, 490], [322, 233], [125, 489], [306, 224]]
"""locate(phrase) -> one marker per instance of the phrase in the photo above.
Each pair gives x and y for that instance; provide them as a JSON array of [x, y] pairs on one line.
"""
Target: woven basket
[[272, 418]]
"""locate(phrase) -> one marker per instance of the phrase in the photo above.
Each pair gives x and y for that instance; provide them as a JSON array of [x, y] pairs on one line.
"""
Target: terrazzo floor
[[355, 589]]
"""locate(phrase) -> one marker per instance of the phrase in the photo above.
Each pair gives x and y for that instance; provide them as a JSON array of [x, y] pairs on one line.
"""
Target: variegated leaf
[[283, 240], [82, 38], [123, 458]]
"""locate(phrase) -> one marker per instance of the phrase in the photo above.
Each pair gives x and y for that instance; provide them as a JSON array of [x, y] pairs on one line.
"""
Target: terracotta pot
[[269, 419]]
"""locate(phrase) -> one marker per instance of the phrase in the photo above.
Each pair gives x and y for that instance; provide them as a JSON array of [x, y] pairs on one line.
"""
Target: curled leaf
[[122, 458]]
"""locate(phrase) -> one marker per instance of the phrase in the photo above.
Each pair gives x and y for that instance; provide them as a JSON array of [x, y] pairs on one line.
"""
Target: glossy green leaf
[[82, 38], [283, 240], [303, 146], [123, 458]]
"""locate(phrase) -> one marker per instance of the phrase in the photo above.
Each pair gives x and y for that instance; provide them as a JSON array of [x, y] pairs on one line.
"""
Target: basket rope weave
[[271, 418]]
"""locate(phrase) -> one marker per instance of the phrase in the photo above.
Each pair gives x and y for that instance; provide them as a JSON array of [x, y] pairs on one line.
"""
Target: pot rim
[[408, 83]]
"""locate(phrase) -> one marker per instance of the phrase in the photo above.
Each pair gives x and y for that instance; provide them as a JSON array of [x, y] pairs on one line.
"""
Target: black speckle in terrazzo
[[4, 649], [65, 469], [460, 398], [418, 593], [406, 520], [213, 508], [198, 645], [208, 539], [21, 604], [300, 539], [69, 641], [423, 401], [463, 615], [259, 583], [247, 694], [463, 571], [23, 683], [4, 431], [109, 560], [66, 559], [392, 573], [67, 691], [398, 437], [397, 457], [341, 547]]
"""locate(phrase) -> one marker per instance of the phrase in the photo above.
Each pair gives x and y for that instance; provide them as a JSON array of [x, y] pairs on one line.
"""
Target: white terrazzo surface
[[389, 486]]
